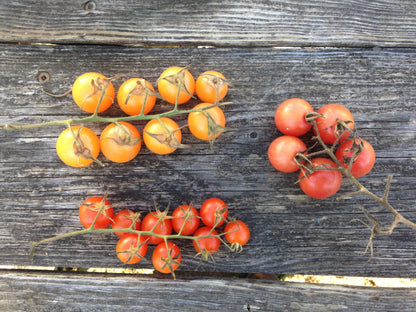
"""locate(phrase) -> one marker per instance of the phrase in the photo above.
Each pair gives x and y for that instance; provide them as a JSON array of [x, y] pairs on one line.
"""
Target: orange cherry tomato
[[78, 147], [136, 96], [171, 80], [208, 124], [211, 86], [120, 142], [162, 138], [87, 91]]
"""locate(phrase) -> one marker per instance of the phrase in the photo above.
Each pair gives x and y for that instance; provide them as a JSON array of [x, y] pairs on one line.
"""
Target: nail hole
[[89, 6], [253, 135], [43, 77]]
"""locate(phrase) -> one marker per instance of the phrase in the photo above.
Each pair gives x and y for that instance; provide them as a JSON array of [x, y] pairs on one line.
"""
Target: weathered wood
[[216, 23], [291, 233], [33, 291]]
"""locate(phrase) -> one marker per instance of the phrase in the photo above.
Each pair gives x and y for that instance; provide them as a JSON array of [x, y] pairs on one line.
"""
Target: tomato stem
[[98, 119], [375, 226]]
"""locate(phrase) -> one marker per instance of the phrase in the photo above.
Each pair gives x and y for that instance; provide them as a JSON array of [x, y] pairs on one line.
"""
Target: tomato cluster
[[120, 141], [158, 228], [333, 125]]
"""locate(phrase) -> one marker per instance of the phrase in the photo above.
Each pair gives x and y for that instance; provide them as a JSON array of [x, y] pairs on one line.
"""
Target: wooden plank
[[291, 233], [215, 23], [27, 291]]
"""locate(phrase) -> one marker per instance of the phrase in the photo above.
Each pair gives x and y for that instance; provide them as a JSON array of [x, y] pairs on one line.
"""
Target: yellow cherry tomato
[[170, 81], [87, 91], [162, 138], [135, 93], [78, 146], [120, 142]]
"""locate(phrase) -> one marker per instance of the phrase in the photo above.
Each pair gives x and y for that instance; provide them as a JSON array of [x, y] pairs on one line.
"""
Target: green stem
[[103, 89], [98, 119]]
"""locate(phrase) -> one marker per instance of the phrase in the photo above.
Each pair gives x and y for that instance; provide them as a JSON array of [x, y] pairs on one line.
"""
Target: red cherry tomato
[[124, 219], [290, 117], [209, 244], [321, 183], [157, 223], [282, 152], [237, 232], [130, 249], [166, 257], [213, 212], [327, 125], [91, 207], [360, 152], [185, 219]]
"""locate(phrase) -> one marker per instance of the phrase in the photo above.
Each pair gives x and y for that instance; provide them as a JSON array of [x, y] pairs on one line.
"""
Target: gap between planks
[[299, 278]]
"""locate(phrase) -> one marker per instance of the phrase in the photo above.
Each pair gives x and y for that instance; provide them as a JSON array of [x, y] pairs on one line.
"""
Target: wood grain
[[291, 233], [27, 291], [333, 23]]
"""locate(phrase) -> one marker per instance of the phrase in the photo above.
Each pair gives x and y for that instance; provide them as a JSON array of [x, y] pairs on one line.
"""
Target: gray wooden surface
[[106, 292], [355, 53], [216, 23], [291, 233]]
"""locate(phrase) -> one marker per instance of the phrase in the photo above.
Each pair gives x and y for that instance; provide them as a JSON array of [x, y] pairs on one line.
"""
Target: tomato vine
[[338, 152], [94, 93], [96, 215]]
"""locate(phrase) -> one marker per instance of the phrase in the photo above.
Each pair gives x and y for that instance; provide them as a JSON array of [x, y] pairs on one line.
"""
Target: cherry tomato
[[321, 183], [185, 219], [207, 124], [282, 152], [87, 91], [162, 138], [158, 223], [130, 249], [120, 142], [166, 258], [171, 80], [237, 232], [78, 146], [91, 207], [213, 212], [135, 96], [211, 86], [360, 152], [290, 117], [209, 244], [327, 125], [124, 219]]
